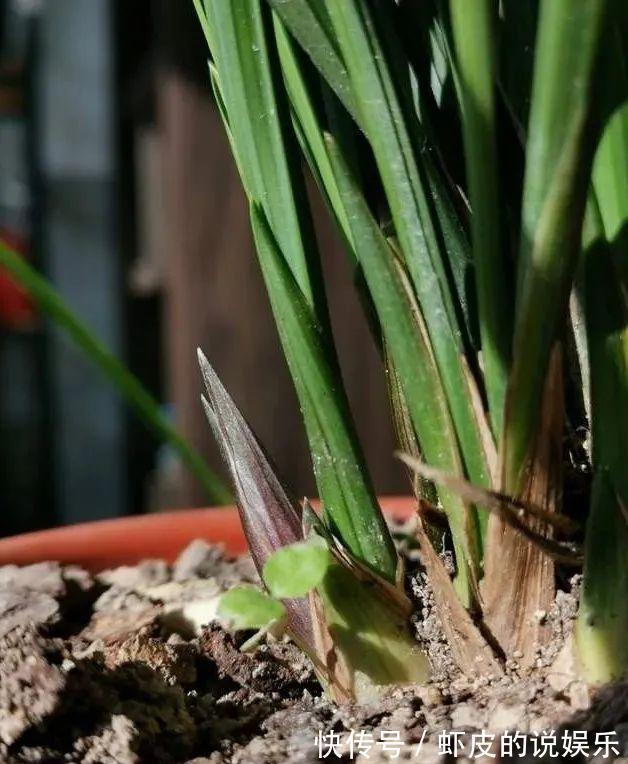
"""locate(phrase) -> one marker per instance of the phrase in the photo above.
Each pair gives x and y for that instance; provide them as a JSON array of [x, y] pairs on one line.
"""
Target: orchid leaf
[[453, 236], [327, 163], [453, 142], [309, 23], [473, 25], [603, 618], [365, 38], [347, 495], [255, 109], [559, 156], [411, 351], [561, 141], [309, 125]]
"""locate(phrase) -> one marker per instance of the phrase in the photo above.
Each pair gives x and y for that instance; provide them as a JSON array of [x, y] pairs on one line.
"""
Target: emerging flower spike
[[269, 518]]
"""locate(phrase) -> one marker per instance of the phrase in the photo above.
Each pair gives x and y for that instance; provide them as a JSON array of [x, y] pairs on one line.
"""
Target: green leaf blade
[[473, 26], [259, 122], [262, 138], [386, 124], [603, 617], [309, 126], [338, 463], [409, 347], [309, 23], [559, 155]]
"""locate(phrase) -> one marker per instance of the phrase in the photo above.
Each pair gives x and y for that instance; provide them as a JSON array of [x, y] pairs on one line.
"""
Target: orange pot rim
[[103, 544]]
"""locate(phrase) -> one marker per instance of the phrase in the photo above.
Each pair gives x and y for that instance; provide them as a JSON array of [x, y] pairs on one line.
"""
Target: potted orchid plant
[[474, 156]]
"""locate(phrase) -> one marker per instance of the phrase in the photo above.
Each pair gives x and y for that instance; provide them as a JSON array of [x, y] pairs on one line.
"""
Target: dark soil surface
[[128, 667]]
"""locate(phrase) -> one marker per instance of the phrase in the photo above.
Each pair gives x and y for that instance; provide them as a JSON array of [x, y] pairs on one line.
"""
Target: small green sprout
[[246, 607], [297, 569], [368, 630], [292, 571]]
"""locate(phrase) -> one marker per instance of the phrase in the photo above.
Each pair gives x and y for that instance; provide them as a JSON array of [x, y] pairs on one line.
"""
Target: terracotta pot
[[127, 540]]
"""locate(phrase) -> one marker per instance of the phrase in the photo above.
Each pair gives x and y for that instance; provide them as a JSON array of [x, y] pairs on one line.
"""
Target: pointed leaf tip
[[269, 517]]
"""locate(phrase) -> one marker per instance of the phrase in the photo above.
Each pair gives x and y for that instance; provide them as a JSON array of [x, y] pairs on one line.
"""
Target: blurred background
[[117, 184]]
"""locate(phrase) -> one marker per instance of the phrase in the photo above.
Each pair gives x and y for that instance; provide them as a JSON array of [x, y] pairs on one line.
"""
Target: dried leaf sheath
[[472, 653], [518, 583]]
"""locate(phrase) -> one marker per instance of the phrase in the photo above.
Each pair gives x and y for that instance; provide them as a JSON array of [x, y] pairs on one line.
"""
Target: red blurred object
[[127, 540], [17, 309]]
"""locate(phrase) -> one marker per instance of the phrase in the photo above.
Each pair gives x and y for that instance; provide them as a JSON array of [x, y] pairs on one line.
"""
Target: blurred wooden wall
[[216, 300]]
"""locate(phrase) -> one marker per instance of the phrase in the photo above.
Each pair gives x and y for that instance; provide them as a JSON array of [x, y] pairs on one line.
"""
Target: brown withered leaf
[[518, 588], [471, 652], [511, 508]]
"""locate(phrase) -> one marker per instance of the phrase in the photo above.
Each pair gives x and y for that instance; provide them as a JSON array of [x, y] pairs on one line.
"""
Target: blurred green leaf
[[127, 385]]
